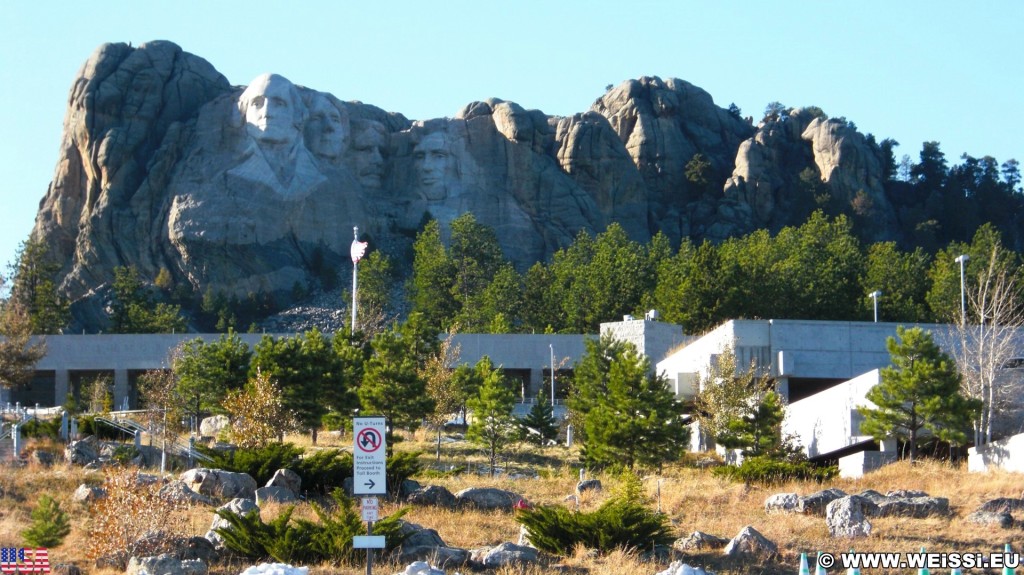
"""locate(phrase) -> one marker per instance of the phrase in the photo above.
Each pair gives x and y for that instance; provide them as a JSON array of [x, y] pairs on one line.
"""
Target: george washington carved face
[[272, 111]]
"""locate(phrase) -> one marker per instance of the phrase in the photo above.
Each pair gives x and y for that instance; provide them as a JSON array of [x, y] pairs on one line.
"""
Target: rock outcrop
[[252, 191]]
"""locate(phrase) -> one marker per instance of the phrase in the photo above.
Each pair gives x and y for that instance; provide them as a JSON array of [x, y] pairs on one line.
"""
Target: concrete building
[[822, 368], [72, 361]]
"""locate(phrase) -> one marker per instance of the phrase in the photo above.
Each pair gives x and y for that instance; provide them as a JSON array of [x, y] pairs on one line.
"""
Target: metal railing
[[130, 426]]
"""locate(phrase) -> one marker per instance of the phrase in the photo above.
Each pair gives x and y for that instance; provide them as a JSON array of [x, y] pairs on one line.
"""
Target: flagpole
[[355, 280]]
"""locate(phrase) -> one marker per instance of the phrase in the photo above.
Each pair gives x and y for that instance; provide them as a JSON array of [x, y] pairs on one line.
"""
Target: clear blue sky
[[916, 71]]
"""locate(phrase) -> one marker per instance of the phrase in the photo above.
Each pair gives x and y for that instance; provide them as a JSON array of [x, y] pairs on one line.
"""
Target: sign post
[[369, 477]]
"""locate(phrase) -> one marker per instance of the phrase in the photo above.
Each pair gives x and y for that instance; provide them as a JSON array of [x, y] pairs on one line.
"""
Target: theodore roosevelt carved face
[[369, 139]]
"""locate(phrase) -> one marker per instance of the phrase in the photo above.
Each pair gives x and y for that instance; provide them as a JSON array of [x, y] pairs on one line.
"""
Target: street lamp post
[[962, 259], [552, 347], [875, 295]]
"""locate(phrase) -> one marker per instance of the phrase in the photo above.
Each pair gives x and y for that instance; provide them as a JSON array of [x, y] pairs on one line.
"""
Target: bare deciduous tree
[[982, 350]]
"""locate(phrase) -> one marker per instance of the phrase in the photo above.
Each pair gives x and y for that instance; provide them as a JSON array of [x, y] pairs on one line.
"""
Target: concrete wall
[[857, 464], [828, 421], [654, 339], [749, 339], [1006, 454]]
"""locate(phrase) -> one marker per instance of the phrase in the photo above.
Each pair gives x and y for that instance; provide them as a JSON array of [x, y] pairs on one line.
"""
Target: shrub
[[87, 425], [323, 471], [303, 541], [50, 524], [38, 428], [132, 521], [401, 466], [260, 463], [769, 471], [623, 521]]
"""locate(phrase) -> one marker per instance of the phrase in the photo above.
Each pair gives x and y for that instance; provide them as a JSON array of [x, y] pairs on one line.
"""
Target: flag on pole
[[357, 251]]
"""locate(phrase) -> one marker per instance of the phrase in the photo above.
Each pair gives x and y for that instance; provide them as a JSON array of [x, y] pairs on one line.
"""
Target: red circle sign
[[369, 440]]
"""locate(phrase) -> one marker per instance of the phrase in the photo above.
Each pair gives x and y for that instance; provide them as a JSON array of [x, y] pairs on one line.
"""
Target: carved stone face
[[270, 105], [367, 155], [326, 130], [434, 165]]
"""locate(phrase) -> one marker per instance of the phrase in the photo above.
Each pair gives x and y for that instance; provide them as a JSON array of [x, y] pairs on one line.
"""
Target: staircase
[[130, 426]]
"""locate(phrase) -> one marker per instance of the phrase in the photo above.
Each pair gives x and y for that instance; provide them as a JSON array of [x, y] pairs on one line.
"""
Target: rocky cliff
[[250, 189]]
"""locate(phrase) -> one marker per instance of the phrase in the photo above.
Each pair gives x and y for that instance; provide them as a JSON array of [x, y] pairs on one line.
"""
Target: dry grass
[[693, 499]]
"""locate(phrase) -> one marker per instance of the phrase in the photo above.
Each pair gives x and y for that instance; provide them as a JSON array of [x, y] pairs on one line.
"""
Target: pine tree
[[392, 385], [758, 430], [50, 525], [636, 420], [493, 424], [539, 425], [919, 392]]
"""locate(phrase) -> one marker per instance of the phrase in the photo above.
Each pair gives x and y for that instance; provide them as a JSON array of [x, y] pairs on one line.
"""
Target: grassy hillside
[[693, 498]]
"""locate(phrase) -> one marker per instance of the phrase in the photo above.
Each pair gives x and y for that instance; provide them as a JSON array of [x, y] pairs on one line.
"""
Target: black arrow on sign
[[369, 483]]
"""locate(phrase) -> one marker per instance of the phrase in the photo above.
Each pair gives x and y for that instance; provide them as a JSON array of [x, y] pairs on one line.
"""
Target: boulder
[[43, 458], [845, 517], [88, 493], [220, 484], [750, 544], [699, 541], [408, 486], [680, 568], [815, 503], [991, 518], [1007, 504], [275, 569], [287, 479], [65, 569], [196, 548], [82, 452], [506, 554], [789, 502], [433, 496], [588, 485], [177, 492], [487, 498], [905, 493], [275, 494], [917, 507], [238, 507], [419, 544], [165, 565], [213, 425]]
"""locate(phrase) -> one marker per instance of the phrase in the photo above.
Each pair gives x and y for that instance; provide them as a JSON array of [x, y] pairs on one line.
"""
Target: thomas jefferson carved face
[[326, 129], [434, 164], [272, 110]]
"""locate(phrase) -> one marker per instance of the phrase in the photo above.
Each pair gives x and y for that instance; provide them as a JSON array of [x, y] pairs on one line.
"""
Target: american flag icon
[[17, 560]]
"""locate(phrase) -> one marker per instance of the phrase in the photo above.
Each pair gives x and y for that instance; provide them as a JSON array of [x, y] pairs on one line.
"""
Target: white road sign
[[370, 509], [368, 542], [369, 461]]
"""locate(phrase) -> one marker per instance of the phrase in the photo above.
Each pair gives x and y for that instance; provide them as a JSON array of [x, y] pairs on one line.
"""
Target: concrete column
[[536, 382], [120, 387], [61, 386], [782, 387]]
